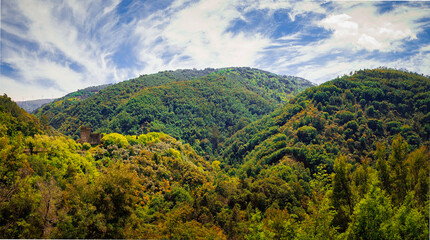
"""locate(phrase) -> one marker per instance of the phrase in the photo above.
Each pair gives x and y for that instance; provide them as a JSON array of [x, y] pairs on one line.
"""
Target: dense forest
[[348, 159], [200, 107]]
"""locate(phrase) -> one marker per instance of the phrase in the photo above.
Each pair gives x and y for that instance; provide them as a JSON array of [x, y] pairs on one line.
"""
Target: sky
[[51, 48]]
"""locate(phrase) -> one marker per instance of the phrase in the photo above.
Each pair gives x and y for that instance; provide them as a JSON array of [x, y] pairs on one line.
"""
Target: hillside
[[14, 120], [202, 111], [293, 174], [81, 94], [347, 115], [114, 94], [129, 186]]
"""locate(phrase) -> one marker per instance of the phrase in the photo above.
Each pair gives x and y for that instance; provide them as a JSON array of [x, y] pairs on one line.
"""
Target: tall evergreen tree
[[342, 199]]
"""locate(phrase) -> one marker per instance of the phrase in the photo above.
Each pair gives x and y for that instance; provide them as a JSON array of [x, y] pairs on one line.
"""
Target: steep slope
[[206, 109], [127, 187], [347, 115], [14, 120], [152, 186], [110, 95]]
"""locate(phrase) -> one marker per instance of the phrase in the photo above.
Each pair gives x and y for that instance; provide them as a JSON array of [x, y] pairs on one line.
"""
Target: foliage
[[325, 167], [306, 133], [14, 119], [115, 139], [200, 107], [359, 110]]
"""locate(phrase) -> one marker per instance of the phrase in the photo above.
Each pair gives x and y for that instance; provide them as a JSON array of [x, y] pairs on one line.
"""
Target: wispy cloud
[[196, 36], [59, 42], [50, 48], [361, 37]]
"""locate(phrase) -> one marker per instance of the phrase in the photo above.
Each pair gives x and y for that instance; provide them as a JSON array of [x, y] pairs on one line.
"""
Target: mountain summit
[[202, 107]]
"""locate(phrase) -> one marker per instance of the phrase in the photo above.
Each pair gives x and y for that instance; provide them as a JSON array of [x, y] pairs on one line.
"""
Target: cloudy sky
[[50, 48]]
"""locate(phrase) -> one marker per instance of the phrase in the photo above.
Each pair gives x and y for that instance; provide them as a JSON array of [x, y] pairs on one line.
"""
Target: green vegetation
[[202, 111], [347, 115], [348, 159], [14, 120]]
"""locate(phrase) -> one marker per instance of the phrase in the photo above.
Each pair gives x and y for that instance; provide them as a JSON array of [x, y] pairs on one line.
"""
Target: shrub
[[393, 127], [353, 125], [86, 146], [115, 139], [306, 133], [344, 116]]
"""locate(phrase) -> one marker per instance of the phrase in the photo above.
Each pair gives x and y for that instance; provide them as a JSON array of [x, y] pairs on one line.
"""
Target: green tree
[[306, 133], [256, 230], [407, 222], [318, 222], [115, 139], [369, 216], [341, 197], [398, 169], [418, 174], [382, 167]]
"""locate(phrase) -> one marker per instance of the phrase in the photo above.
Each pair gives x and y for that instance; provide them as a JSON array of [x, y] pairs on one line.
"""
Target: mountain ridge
[[104, 111], [356, 110]]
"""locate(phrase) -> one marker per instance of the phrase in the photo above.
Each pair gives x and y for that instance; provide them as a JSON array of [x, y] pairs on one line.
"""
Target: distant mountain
[[347, 115], [31, 105], [201, 107], [83, 94], [76, 96]]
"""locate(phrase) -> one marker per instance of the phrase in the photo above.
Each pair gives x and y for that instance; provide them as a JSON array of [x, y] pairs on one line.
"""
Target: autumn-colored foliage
[[348, 159]]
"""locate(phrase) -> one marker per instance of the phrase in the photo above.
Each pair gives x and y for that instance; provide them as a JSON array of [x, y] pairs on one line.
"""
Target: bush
[[371, 112], [344, 116], [321, 97], [115, 139], [353, 125], [376, 125], [173, 153], [393, 127], [86, 146], [306, 133]]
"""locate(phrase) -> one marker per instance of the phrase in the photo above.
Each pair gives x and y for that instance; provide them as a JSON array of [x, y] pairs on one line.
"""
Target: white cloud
[[331, 69], [370, 43], [197, 37], [80, 43], [341, 24], [66, 35], [417, 63], [358, 34], [19, 91], [425, 48], [294, 8], [363, 28]]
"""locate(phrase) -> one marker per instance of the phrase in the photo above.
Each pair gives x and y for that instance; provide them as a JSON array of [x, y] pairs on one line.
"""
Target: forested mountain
[[128, 187], [347, 115], [348, 159], [31, 105], [15, 120], [73, 97], [201, 111]]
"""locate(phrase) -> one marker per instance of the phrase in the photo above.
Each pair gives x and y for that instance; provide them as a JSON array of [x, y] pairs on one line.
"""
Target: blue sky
[[50, 48]]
